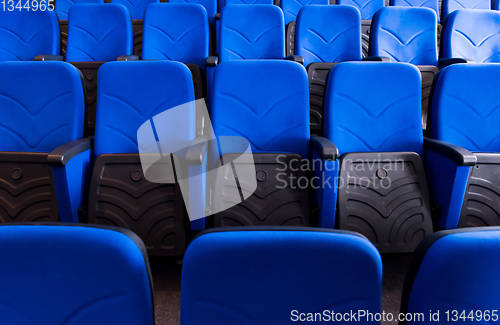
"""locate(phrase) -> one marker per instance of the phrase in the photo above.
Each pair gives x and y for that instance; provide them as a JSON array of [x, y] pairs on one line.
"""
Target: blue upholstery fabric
[[266, 102], [261, 276], [131, 93], [251, 32], [74, 275], [209, 5], [328, 34], [104, 37], [466, 107], [291, 8], [177, 32], [373, 107], [63, 6], [455, 270], [41, 105], [223, 3], [25, 34], [449, 6], [473, 35], [432, 4], [137, 7], [405, 35], [367, 7]]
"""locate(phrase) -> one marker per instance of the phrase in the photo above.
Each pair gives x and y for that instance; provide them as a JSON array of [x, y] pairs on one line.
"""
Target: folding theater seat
[[324, 36], [464, 161], [455, 273], [291, 9], [406, 34], [137, 10], [178, 32], [62, 9], [68, 274], [367, 9], [25, 34], [91, 42], [471, 35], [449, 6], [138, 116], [431, 4], [44, 160], [372, 115], [224, 3], [266, 102], [248, 275], [211, 8]]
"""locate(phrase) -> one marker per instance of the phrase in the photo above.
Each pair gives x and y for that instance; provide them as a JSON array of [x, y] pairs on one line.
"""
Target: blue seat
[[455, 273], [105, 37], [367, 9], [271, 101], [45, 162], [25, 34], [62, 6], [291, 8], [372, 115], [448, 6], [472, 35], [338, 271], [83, 275], [209, 5], [178, 32], [431, 4], [224, 3], [324, 36], [406, 34], [241, 38], [137, 7], [464, 122], [136, 102]]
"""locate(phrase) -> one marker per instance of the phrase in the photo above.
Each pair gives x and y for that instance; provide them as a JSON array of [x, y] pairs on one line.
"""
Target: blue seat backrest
[[209, 5], [374, 107], [177, 32], [367, 7], [466, 106], [276, 272], [131, 93], [455, 270], [291, 8], [405, 34], [223, 3], [41, 105], [251, 32], [25, 34], [135, 7], [63, 6], [264, 101], [449, 6], [432, 4], [473, 35], [328, 34], [86, 275], [98, 32]]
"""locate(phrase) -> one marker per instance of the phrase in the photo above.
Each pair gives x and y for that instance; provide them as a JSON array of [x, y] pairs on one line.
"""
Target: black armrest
[[127, 58], [296, 58], [326, 149], [212, 61], [443, 63], [197, 151], [377, 59], [459, 155], [49, 57], [217, 16], [61, 155]]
